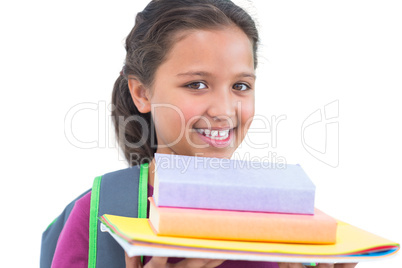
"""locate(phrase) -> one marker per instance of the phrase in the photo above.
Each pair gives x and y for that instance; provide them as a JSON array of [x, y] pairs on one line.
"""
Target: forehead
[[229, 47]]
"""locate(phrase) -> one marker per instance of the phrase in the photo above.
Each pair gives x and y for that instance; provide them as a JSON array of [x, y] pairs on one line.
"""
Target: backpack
[[123, 193]]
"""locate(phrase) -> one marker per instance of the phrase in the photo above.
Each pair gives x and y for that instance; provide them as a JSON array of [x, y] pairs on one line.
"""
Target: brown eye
[[241, 87], [197, 85]]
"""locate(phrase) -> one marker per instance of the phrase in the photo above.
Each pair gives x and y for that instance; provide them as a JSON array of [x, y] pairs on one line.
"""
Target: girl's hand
[[161, 262], [321, 265]]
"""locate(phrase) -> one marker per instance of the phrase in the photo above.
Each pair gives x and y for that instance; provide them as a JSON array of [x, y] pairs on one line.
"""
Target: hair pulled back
[[147, 45]]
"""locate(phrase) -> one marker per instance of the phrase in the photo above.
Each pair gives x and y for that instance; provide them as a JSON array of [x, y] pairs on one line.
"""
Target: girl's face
[[202, 100]]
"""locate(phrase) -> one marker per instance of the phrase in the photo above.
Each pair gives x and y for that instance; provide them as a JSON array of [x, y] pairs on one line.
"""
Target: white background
[[55, 55]]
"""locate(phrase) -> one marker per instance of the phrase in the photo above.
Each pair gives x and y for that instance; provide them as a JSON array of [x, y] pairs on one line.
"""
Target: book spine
[[244, 226], [228, 197]]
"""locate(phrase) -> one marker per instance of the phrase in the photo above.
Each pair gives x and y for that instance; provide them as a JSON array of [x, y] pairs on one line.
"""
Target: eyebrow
[[207, 74]]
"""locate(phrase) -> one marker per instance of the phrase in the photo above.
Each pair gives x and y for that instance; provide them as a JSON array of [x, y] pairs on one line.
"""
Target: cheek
[[247, 112], [168, 120], [191, 112], [174, 118], [175, 108]]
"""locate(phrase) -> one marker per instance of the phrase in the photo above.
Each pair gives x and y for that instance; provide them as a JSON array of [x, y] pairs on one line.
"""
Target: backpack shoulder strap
[[52, 233], [122, 193]]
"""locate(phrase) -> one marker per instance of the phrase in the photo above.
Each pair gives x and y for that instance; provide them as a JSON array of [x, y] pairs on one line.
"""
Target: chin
[[215, 154]]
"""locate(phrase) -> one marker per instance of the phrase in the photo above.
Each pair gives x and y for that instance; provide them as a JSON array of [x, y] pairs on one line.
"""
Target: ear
[[140, 95]]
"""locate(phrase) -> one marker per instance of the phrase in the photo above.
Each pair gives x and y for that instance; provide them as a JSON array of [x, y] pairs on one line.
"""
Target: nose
[[223, 107]]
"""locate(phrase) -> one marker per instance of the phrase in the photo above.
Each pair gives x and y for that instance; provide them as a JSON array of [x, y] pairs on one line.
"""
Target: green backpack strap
[[123, 193], [143, 192]]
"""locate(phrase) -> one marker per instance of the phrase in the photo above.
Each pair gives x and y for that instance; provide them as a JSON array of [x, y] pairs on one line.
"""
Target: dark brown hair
[[147, 45]]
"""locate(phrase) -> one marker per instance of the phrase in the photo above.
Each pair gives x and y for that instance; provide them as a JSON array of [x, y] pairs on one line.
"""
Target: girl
[[187, 87]]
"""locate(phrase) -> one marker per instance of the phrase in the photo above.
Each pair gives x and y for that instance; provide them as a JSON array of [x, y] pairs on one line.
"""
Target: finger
[[345, 265], [191, 263], [201, 263], [157, 262], [290, 265], [325, 265], [133, 262], [213, 263]]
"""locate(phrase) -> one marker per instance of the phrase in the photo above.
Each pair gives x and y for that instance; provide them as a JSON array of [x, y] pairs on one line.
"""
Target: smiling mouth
[[214, 134]]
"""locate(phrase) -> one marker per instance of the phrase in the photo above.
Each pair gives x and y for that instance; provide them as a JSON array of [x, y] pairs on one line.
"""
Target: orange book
[[243, 225]]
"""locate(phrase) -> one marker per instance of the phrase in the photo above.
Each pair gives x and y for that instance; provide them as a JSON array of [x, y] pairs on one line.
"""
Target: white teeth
[[214, 134]]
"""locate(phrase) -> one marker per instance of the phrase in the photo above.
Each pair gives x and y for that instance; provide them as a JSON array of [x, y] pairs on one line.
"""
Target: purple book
[[216, 183]]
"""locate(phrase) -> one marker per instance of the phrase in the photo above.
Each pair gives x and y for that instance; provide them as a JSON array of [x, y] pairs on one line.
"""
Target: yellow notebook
[[353, 245]]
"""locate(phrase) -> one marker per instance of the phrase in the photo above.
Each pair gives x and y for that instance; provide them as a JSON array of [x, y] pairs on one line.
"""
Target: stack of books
[[239, 210], [222, 199]]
